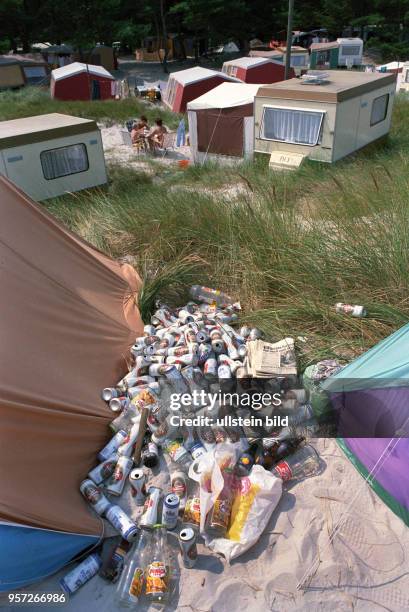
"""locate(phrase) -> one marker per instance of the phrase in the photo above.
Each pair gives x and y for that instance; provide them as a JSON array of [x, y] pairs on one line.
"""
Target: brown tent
[[68, 317]]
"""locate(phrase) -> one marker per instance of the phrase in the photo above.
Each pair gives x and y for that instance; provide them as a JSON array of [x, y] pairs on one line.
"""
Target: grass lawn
[[288, 245]]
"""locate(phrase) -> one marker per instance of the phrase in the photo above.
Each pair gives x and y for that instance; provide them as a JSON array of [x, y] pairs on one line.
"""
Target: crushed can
[[348, 309], [94, 496]]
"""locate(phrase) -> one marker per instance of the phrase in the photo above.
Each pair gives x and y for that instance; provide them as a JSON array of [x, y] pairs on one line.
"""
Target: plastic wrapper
[[253, 506]]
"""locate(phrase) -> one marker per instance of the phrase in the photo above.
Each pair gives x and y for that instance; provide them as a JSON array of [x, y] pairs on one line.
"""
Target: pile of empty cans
[[183, 351]]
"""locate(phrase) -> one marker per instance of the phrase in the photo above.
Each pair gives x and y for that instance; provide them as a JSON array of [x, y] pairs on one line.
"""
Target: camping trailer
[[324, 122], [79, 81], [324, 55], [255, 70], [49, 155], [35, 69], [11, 73], [404, 83], [350, 51], [221, 123], [186, 85], [298, 60]]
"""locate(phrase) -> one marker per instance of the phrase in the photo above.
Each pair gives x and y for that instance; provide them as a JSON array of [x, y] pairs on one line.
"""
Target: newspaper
[[266, 360]]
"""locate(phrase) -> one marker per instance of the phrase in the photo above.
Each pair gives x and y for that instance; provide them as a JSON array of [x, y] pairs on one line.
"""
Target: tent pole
[[289, 39]]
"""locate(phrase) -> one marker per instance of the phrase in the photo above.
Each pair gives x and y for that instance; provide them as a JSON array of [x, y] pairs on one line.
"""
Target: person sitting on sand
[[139, 128], [156, 134]]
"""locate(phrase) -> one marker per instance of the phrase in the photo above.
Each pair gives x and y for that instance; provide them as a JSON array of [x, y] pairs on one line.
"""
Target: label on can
[[197, 450], [175, 449], [81, 574], [179, 487], [136, 586], [284, 470], [156, 578], [192, 511]]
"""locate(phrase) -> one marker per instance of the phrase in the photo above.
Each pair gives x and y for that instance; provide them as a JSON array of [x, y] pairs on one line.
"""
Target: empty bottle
[[217, 520], [158, 568], [210, 296], [303, 463], [131, 583]]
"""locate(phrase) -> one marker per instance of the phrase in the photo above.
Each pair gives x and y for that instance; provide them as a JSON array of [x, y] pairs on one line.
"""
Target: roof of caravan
[[353, 41], [42, 127], [321, 46], [77, 68], [247, 62], [192, 75], [294, 49], [341, 85], [226, 95]]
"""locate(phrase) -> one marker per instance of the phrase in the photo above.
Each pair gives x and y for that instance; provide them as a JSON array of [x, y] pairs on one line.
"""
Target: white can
[[108, 393], [210, 368], [117, 481], [170, 511], [122, 523], [150, 509], [188, 548], [81, 574], [113, 445], [224, 371], [104, 470], [179, 487], [137, 480], [94, 496], [128, 444], [118, 403]]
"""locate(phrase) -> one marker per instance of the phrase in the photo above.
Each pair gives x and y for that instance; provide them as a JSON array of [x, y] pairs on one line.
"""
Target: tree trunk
[[165, 36]]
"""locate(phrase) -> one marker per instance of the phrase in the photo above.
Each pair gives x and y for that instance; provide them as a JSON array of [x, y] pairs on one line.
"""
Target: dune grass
[[288, 245], [31, 101]]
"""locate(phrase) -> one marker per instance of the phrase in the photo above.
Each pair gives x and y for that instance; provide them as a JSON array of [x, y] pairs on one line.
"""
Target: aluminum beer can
[[188, 548], [137, 480], [188, 359], [179, 487], [149, 330], [205, 352], [150, 509], [224, 371], [255, 334], [94, 496], [104, 470], [108, 393], [118, 403], [210, 368], [170, 511], [117, 481], [122, 523], [113, 445], [81, 574]]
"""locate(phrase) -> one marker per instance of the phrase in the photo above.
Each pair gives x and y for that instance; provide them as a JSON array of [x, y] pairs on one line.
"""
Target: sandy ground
[[365, 568]]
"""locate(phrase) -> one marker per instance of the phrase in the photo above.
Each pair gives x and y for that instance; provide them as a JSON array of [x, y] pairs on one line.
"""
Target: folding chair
[[169, 141]]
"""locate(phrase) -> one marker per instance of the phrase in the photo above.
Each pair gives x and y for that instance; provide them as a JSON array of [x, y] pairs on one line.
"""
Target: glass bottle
[[131, 582], [157, 572]]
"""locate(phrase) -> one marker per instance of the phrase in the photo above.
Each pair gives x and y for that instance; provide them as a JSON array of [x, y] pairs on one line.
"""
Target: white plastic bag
[[259, 495]]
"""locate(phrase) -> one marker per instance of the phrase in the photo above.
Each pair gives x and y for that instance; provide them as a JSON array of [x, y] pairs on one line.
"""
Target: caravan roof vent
[[315, 77]]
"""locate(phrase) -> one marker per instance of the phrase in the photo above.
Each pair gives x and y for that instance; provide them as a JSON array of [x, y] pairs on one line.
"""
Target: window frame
[[286, 108], [68, 173], [299, 56], [348, 47], [371, 123]]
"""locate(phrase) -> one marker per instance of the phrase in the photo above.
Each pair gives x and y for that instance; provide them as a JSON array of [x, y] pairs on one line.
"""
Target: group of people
[[153, 137]]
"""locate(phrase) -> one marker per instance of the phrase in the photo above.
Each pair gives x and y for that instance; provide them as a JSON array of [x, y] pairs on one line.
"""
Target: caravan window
[[407, 77], [298, 60], [351, 50], [379, 109], [291, 125], [64, 161]]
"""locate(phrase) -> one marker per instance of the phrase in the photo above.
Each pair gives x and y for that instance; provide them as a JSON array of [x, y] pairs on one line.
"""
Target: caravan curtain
[[286, 125], [64, 161], [379, 109]]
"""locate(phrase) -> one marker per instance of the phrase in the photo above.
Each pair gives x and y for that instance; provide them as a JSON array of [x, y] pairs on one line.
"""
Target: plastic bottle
[[210, 296], [158, 568], [131, 583], [217, 520], [304, 462]]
